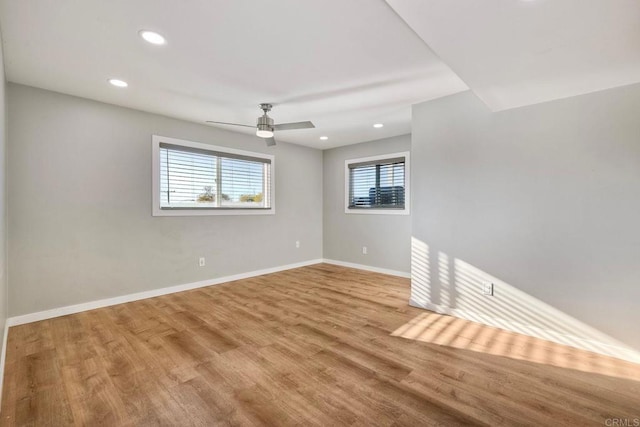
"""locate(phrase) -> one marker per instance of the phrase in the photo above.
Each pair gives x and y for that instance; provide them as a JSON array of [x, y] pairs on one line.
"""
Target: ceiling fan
[[265, 126]]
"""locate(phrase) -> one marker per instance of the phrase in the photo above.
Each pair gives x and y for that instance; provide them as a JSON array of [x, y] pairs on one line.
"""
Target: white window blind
[[377, 184], [194, 178]]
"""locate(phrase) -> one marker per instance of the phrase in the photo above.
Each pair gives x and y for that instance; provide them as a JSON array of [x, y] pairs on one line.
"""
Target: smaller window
[[191, 178], [378, 185]]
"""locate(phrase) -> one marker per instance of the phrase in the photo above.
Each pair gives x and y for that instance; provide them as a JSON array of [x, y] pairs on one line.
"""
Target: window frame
[[380, 211], [156, 210]]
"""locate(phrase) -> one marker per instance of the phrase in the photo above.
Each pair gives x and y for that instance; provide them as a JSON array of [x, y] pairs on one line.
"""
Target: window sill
[[212, 212], [377, 211]]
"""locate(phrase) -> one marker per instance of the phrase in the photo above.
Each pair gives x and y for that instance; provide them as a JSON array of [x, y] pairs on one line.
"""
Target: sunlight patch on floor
[[434, 328]]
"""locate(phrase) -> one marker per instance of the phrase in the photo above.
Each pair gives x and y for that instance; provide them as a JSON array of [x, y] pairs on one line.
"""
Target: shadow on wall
[[448, 285]]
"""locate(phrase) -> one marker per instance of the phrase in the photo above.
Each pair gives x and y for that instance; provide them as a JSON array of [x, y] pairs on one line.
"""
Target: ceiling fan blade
[[270, 141], [291, 126], [232, 124]]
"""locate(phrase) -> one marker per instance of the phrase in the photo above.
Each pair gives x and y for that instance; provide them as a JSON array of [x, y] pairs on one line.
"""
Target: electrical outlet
[[201, 262], [364, 250], [297, 243], [487, 289]]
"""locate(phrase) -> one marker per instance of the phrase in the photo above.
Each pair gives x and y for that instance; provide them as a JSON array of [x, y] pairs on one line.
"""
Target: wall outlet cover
[[487, 289]]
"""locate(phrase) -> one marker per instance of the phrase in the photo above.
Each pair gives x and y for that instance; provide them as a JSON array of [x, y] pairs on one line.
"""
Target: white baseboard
[[91, 305], [368, 268], [77, 308], [614, 349], [3, 356]]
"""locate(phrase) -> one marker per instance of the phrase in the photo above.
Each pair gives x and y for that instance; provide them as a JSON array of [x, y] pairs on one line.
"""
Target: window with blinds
[[201, 177], [377, 183]]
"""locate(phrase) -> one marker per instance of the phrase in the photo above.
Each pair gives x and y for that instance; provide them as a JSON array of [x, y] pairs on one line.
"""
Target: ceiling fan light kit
[[264, 131], [265, 126]]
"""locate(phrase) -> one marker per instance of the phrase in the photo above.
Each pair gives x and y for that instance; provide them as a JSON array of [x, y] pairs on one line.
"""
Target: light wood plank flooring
[[319, 345]]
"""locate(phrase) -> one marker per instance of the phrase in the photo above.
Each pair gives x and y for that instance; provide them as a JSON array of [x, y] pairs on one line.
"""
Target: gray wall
[[387, 237], [542, 200], [3, 202], [80, 224]]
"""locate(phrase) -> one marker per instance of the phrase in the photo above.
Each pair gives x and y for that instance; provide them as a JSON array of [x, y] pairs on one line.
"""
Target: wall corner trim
[[368, 268], [91, 305]]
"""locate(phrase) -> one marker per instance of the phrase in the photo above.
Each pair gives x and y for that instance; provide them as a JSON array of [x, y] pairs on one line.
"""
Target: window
[[378, 185], [191, 178]]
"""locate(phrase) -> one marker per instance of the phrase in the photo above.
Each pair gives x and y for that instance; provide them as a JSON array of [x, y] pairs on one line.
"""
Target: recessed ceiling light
[[152, 37], [378, 125], [118, 83], [324, 138]]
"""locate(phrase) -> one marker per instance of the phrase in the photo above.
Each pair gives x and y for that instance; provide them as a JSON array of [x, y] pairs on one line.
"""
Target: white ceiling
[[345, 65], [516, 52]]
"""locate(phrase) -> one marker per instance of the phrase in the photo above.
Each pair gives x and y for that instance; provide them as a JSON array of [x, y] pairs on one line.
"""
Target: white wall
[[80, 224], [544, 201], [386, 237]]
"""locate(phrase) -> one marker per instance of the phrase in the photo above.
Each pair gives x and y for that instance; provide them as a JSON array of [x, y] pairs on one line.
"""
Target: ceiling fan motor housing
[[265, 123]]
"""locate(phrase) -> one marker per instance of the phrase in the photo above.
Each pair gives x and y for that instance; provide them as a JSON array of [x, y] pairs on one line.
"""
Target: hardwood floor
[[319, 345]]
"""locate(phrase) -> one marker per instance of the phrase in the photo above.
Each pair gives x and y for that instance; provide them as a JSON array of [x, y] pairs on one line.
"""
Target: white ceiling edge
[[517, 53], [539, 92]]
